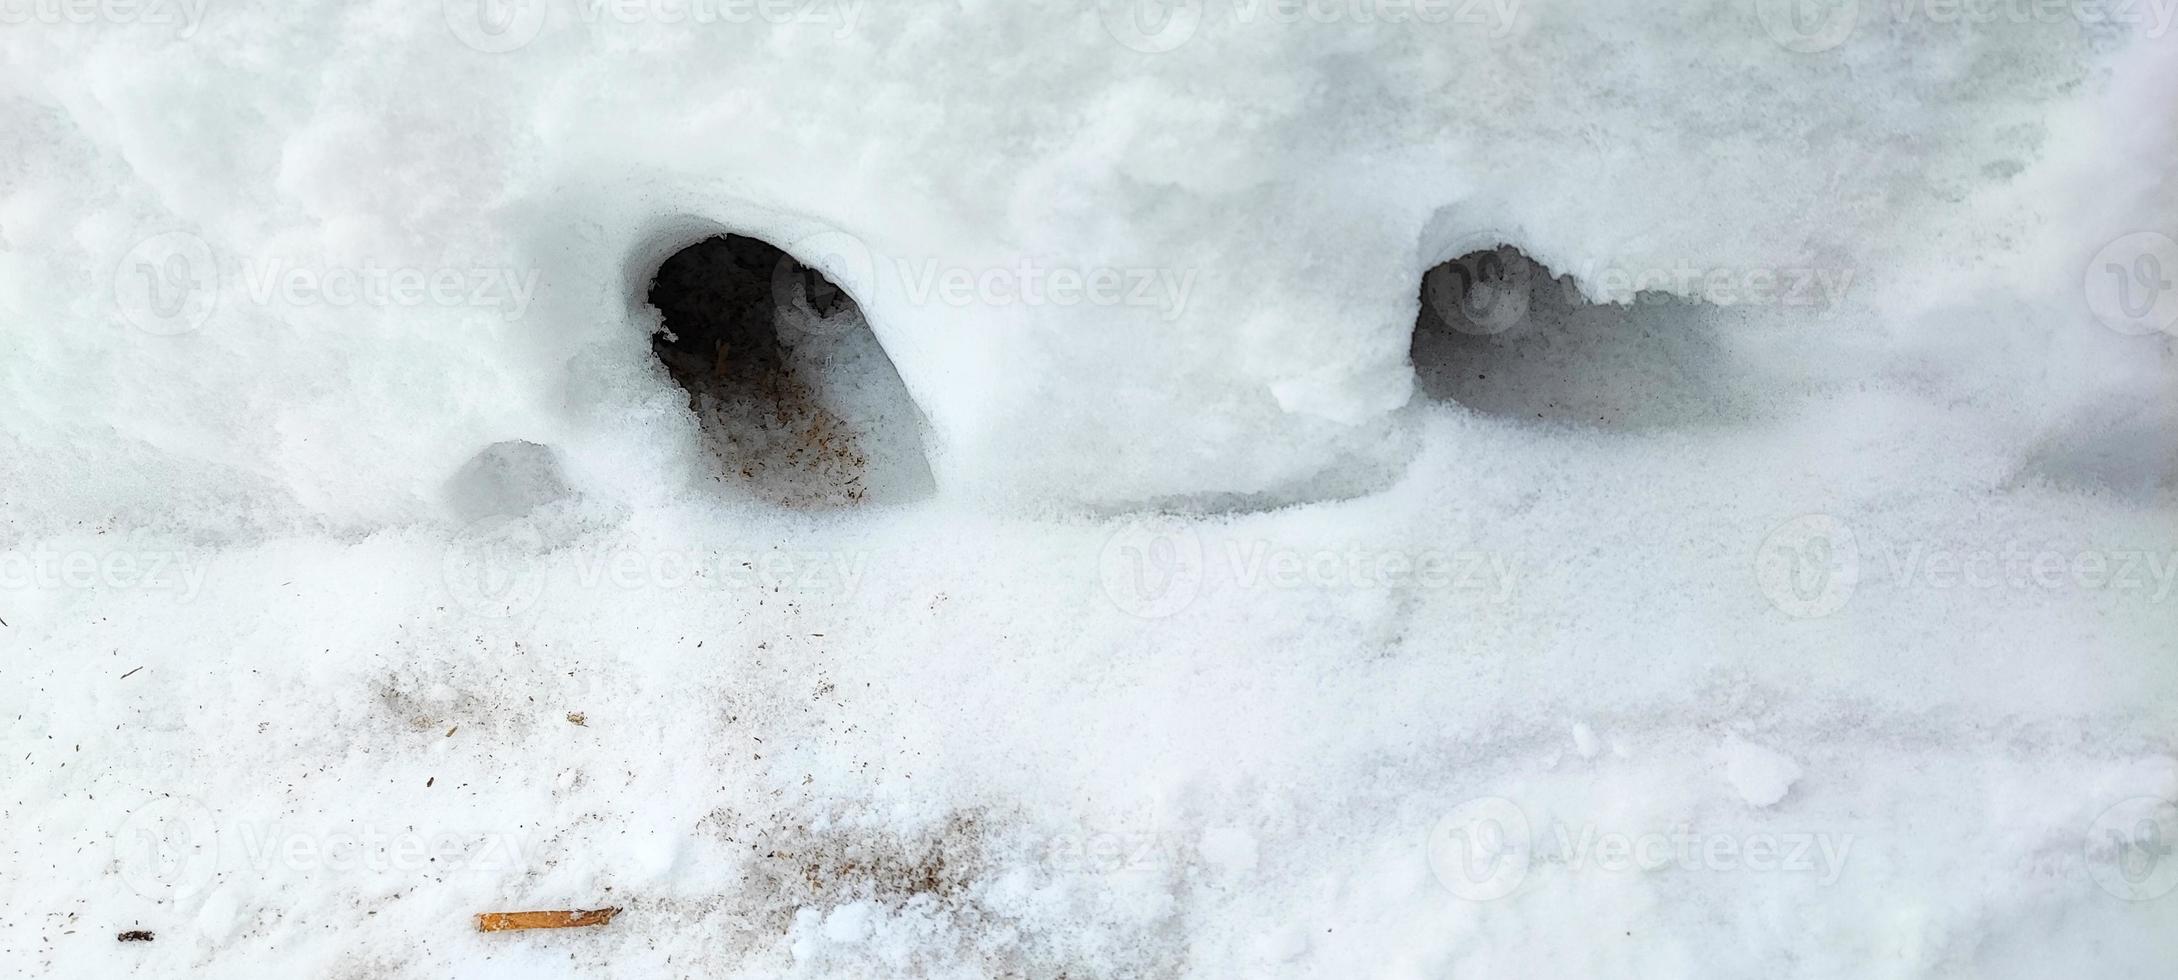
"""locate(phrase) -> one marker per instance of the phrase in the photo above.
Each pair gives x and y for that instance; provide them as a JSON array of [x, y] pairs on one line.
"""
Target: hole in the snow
[[796, 398], [1499, 333]]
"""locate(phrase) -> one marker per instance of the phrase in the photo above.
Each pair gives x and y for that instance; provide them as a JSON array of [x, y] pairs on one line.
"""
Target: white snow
[[1760, 775], [1780, 584]]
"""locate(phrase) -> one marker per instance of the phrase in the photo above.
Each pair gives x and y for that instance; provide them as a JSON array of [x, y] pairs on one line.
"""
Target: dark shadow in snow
[[2117, 447], [1499, 334]]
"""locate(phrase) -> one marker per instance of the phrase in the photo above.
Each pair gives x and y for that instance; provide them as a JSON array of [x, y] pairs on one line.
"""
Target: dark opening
[[1499, 333], [796, 398]]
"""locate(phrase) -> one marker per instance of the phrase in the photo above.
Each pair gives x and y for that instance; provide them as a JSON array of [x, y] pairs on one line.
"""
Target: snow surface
[[363, 570]]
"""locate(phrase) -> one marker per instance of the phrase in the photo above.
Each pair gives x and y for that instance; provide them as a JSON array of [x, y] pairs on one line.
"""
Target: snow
[[1761, 776], [1775, 577]]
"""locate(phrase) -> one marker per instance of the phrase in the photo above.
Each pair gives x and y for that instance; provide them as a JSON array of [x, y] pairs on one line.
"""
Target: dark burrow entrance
[[1501, 334], [796, 398]]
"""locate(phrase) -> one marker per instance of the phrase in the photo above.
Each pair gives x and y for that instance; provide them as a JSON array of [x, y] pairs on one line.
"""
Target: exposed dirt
[[722, 300]]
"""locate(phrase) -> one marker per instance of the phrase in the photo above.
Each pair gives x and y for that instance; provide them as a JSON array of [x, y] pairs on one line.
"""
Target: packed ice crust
[[1243, 613]]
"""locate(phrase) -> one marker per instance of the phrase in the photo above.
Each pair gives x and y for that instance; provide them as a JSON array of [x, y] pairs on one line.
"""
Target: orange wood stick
[[566, 919]]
